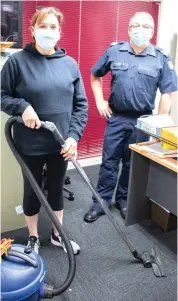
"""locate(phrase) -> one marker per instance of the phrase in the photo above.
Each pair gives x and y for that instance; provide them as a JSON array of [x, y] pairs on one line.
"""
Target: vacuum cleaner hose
[[49, 291]]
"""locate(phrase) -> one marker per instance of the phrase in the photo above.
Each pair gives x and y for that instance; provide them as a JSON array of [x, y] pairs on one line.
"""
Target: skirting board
[[86, 162]]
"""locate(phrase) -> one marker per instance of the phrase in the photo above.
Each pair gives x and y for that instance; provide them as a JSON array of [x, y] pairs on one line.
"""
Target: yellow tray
[[170, 134], [6, 44]]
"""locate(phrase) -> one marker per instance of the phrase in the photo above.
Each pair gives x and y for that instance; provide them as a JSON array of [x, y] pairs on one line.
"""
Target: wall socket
[[19, 209]]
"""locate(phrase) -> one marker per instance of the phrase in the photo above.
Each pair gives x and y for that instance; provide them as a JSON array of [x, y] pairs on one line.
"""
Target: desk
[[150, 178]]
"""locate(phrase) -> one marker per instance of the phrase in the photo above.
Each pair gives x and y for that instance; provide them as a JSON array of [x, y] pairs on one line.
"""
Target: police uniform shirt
[[136, 77]]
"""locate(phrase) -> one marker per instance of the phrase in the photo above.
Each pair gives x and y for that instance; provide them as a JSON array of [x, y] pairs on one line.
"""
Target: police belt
[[130, 113]]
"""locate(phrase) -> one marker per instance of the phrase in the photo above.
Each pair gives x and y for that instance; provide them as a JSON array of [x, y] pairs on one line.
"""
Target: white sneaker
[[57, 241], [32, 245]]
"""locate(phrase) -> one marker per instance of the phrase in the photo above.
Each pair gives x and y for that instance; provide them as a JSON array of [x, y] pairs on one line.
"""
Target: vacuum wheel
[[71, 197]]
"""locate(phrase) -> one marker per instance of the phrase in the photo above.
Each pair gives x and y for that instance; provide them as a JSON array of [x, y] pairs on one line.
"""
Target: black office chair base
[[71, 195], [67, 181]]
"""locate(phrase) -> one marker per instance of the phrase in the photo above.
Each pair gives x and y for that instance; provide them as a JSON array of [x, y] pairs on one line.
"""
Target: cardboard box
[[152, 124], [162, 217]]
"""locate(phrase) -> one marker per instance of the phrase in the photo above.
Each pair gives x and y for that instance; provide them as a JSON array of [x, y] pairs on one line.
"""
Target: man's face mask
[[46, 38], [140, 36]]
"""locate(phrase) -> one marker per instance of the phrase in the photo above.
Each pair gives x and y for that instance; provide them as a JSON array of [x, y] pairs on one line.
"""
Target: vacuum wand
[[148, 260], [52, 128]]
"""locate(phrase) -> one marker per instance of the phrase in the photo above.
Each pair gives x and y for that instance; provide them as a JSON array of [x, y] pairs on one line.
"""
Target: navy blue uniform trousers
[[119, 133]]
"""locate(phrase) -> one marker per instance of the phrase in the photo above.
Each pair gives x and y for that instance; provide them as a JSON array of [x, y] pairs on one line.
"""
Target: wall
[[167, 38], [11, 185], [11, 179]]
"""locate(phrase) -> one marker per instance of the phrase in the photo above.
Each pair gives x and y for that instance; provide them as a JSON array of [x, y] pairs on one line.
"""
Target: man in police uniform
[[138, 68]]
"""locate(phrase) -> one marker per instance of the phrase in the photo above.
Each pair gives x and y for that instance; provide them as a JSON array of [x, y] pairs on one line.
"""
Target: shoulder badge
[[170, 65]]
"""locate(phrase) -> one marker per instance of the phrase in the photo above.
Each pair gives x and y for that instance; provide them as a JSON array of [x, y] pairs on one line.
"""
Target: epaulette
[[113, 44], [162, 51], [116, 43]]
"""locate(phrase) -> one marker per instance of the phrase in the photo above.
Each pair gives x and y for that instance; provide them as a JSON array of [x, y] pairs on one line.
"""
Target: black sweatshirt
[[53, 86]]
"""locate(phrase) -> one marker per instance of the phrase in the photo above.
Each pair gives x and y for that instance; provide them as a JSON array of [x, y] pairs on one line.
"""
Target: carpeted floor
[[106, 270]]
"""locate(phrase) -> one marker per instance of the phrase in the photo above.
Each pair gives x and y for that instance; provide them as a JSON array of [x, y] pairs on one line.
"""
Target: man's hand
[[30, 118], [103, 108], [154, 140], [102, 105], [70, 149]]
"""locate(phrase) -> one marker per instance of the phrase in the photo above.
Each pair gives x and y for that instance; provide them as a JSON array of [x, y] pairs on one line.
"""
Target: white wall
[[167, 38]]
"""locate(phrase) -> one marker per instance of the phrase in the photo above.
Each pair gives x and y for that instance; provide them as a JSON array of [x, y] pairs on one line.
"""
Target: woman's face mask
[[46, 38], [140, 37]]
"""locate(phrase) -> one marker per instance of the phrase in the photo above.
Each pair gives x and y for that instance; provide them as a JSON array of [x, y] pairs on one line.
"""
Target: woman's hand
[[70, 149], [30, 118]]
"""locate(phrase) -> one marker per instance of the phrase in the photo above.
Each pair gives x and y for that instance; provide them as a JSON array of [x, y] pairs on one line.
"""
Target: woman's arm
[[78, 120], [9, 103], [80, 109]]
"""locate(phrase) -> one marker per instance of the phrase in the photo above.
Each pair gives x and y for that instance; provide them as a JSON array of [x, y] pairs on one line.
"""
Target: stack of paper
[[156, 149]]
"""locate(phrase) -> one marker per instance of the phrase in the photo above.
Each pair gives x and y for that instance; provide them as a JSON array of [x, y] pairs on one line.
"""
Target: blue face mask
[[46, 38], [140, 37]]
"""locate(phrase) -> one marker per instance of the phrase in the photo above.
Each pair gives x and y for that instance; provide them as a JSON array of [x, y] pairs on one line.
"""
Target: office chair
[[66, 182]]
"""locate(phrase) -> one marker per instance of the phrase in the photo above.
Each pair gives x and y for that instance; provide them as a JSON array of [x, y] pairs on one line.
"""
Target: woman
[[42, 83]]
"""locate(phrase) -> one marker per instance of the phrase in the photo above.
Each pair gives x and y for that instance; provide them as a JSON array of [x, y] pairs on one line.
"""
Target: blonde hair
[[142, 14]]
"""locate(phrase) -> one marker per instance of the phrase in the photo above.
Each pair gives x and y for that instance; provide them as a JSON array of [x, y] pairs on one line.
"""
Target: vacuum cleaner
[[22, 274], [28, 270]]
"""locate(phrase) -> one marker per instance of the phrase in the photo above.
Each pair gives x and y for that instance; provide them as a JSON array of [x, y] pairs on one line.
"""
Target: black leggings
[[56, 169]]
